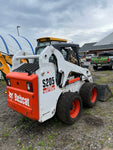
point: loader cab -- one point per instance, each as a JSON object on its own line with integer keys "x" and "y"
{"x": 46, "y": 41}
{"x": 69, "y": 52}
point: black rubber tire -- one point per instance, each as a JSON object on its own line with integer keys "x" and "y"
{"x": 87, "y": 90}
{"x": 64, "y": 107}
{"x": 95, "y": 67}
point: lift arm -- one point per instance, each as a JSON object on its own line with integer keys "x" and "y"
{"x": 64, "y": 67}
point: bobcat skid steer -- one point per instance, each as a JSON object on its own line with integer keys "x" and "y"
{"x": 53, "y": 82}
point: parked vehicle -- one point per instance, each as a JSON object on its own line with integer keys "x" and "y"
{"x": 105, "y": 59}
{"x": 89, "y": 56}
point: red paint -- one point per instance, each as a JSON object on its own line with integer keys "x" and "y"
{"x": 74, "y": 80}
{"x": 108, "y": 59}
{"x": 21, "y": 100}
{"x": 48, "y": 89}
{"x": 76, "y": 109}
{"x": 93, "y": 95}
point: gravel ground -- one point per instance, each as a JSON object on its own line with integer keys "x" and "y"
{"x": 93, "y": 130}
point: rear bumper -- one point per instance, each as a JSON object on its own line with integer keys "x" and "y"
{"x": 102, "y": 65}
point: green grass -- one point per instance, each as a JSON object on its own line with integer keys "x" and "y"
{"x": 2, "y": 82}
{"x": 76, "y": 145}
{"x": 19, "y": 142}
{"x": 27, "y": 148}
{"x": 31, "y": 136}
{"x": 87, "y": 111}
{"x": 41, "y": 143}
{"x": 102, "y": 79}
{"x": 102, "y": 142}
{"x": 6, "y": 135}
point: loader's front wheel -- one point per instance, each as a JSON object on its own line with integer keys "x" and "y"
{"x": 88, "y": 93}
{"x": 69, "y": 107}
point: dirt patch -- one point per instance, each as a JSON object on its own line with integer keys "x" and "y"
{"x": 93, "y": 130}
{"x": 94, "y": 121}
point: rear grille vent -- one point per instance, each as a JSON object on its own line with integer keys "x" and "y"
{"x": 27, "y": 67}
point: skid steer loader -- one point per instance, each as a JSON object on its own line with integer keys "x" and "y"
{"x": 52, "y": 82}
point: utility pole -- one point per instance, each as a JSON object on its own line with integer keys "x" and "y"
{"x": 18, "y": 30}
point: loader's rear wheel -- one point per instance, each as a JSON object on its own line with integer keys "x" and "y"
{"x": 69, "y": 107}
{"x": 88, "y": 93}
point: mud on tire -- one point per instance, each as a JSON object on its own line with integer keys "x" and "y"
{"x": 88, "y": 93}
{"x": 69, "y": 107}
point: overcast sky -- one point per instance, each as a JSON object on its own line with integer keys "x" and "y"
{"x": 79, "y": 21}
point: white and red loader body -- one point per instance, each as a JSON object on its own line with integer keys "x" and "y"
{"x": 33, "y": 89}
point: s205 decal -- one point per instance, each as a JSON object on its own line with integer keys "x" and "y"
{"x": 48, "y": 84}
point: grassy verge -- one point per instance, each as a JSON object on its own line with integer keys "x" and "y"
{"x": 2, "y": 82}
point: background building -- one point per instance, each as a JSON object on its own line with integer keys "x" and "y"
{"x": 106, "y": 44}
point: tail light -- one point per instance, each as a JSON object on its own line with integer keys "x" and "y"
{"x": 29, "y": 87}
{"x": 8, "y": 82}
{"x": 108, "y": 59}
{"x": 90, "y": 60}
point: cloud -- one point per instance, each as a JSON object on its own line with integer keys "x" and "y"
{"x": 80, "y": 22}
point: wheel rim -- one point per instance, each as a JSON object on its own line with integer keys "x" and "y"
{"x": 75, "y": 109}
{"x": 93, "y": 95}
